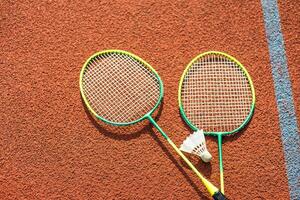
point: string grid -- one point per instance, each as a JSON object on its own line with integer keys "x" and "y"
{"x": 216, "y": 94}
{"x": 119, "y": 87}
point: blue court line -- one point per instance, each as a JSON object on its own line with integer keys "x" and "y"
{"x": 284, "y": 97}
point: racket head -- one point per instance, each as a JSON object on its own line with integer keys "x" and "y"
{"x": 199, "y": 123}
{"x": 94, "y": 74}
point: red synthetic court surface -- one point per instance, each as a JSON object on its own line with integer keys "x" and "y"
{"x": 50, "y": 148}
{"x": 290, "y": 21}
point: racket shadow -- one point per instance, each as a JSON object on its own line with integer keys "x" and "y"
{"x": 235, "y": 136}
{"x": 176, "y": 163}
{"x": 150, "y": 129}
{"x": 141, "y": 128}
{"x": 119, "y": 132}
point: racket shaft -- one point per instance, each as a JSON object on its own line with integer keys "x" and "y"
{"x": 210, "y": 187}
{"x": 221, "y": 163}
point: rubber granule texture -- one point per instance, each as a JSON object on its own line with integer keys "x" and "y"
{"x": 51, "y": 148}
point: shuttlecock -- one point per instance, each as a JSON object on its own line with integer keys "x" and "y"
{"x": 195, "y": 144}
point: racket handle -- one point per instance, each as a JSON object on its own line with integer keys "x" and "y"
{"x": 219, "y": 196}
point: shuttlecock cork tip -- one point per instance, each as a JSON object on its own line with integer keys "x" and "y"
{"x": 206, "y": 156}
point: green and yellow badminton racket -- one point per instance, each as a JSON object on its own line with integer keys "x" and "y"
{"x": 121, "y": 89}
{"x": 216, "y": 94}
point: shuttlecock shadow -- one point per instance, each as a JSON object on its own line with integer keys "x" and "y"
{"x": 203, "y": 167}
{"x": 207, "y": 166}
{"x": 176, "y": 163}
{"x": 140, "y": 128}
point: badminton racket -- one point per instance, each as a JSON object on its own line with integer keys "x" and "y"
{"x": 216, "y": 94}
{"x": 121, "y": 89}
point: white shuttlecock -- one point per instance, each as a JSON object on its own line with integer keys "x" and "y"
{"x": 195, "y": 144}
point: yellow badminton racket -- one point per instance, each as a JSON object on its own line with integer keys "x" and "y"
{"x": 121, "y": 89}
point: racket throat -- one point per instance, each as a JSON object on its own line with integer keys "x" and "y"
{"x": 157, "y": 127}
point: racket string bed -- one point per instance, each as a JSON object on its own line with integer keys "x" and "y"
{"x": 224, "y": 100}
{"x": 120, "y": 89}
{"x": 120, "y": 94}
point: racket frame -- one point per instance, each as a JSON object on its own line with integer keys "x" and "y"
{"x": 194, "y": 128}
{"x": 146, "y": 116}
{"x": 213, "y": 191}
{"x": 218, "y": 134}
